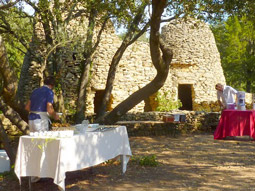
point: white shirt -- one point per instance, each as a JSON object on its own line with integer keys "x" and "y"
{"x": 227, "y": 95}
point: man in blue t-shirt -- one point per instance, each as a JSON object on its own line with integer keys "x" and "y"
{"x": 40, "y": 106}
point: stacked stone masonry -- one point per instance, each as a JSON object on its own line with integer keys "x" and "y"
{"x": 196, "y": 64}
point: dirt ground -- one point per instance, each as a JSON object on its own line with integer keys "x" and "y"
{"x": 187, "y": 162}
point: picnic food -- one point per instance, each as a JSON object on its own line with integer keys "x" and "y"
{"x": 61, "y": 125}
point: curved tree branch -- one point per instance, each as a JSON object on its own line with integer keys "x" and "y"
{"x": 10, "y": 79}
{"x": 8, "y": 5}
{"x": 116, "y": 59}
{"x": 14, "y": 117}
{"x": 161, "y": 63}
{"x": 10, "y": 86}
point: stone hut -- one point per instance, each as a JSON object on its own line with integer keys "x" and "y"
{"x": 194, "y": 71}
{"x": 196, "y": 65}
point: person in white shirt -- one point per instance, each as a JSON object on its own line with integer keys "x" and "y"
{"x": 225, "y": 95}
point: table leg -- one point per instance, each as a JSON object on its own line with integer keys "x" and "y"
{"x": 124, "y": 160}
{"x": 29, "y": 183}
{"x": 122, "y": 163}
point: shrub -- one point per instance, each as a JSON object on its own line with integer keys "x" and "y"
{"x": 166, "y": 103}
{"x": 150, "y": 160}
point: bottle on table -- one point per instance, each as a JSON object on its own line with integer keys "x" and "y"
{"x": 241, "y": 100}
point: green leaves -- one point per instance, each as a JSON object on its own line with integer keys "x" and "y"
{"x": 16, "y": 30}
{"x": 235, "y": 39}
{"x": 147, "y": 160}
{"x": 166, "y": 102}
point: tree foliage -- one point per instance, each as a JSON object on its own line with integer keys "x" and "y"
{"x": 235, "y": 40}
{"x": 16, "y": 30}
{"x": 135, "y": 16}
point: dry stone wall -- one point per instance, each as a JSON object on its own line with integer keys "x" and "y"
{"x": 196, "y": 59}
{"x": 134, "y": 71}
{"x": 196, "y": 62}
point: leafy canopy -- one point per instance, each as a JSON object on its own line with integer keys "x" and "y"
{"x": 235, "y": 39}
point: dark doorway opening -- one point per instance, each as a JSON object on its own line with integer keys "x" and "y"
{"x": 98, "y": 101}
{"x": 185, "y": 96}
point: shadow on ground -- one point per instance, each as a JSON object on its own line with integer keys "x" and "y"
{"x": 191, "y": 162}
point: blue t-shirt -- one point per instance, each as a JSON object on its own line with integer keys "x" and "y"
{"x": 39, "y": 99}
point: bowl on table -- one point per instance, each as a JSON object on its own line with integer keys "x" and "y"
{"x": 81, "y": 128}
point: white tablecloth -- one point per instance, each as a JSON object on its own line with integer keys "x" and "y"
{"x": 53, "y": 157}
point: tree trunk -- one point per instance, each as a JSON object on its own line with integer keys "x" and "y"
{"x": 161, "y": 63}
{"x": 9, "y": 91}
{"x": 88, "y": 52}
{"x": 115, "y": 62}
{"x": 80, "y": 110}
{"x": 9, "y": 78}
{"x": 6, "y": 143}
{"x": 110, "y": 79}
{"x": 248, "y": 86}
{"x": 135, "y": 98}
{"x": 20, "y": 96}
{"x": 14, "y": 117}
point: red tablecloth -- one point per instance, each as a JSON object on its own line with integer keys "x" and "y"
{"x": 235, "y": 123}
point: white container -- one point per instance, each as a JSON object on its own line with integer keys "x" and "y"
{"x": 241, "y": 94}
{"x": 242, "y": 108}
{"x": 4, "y": 162}
{"x": 81, "y": 128}
{"x": 85, "y": 122}
{"x": 241, "y": 98}
{"x": 176, "y": 117}
{"x": 241, "y": 101}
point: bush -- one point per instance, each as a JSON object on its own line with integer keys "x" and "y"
{"x": 150, "y": 160}
{"x": 165, "y": 102}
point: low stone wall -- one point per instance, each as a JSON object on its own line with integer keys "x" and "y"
{"x": 152, "y": 128}
{"x": 151, "y": 123}
{"x": 195, "y": 121}
{"x": 157, "y": 116}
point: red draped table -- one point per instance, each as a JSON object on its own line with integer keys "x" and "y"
{"x": 236, "y": 123}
